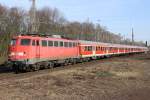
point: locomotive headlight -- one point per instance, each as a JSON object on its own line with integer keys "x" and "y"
{"x": 20, "y": 54}
{"x": 17, "y": 54}
{"x": 12, "y": 54}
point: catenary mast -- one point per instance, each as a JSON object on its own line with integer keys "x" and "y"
{"x": 132, "y": 36}
{"x": 33, "y": 17}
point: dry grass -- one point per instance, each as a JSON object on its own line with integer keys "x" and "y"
{"x": 115, "y": 79}
{"x": 2, "y": 60}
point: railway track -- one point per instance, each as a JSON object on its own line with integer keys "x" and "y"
{"x": 9, "y": 76}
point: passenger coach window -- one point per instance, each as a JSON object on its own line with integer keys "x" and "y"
{"x": 25, "y": 42}
{"x": 97, "y": 48}
{"x": 50, "y": 43}
{"x": 86, "y": 48}
{"x": 90, "y": 48}
{"x": 44, "y": 43}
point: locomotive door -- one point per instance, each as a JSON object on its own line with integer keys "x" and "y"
{"x": 94, "y": 50}
{"x": 37, "y": 49}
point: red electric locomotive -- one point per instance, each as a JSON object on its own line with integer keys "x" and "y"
{"x": 31, "y": 52}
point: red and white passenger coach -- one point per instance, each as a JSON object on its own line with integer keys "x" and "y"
{"x": 32, "y": 52}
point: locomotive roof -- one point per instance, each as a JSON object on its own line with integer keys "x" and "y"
{"x": 32, "y": 36}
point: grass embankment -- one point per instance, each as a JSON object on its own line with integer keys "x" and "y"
{"x": 2, "y": 60}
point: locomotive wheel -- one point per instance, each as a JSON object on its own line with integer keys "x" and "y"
{"x": 66, "y": 63}
{"x": 74, "y": 61}
{"x": 28, "y": 68}
{"x": 51, "y": 65}
{"x": 85, "y": 59}
{"x": 35, "y": 67}
{"x": 81, "y": 60}
{"x": 16, "y": 69}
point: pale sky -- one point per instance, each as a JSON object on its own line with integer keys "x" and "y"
{"x": 119, "y": 16}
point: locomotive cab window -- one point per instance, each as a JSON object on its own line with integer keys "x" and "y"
{"x": 25, "y": 42}
{"x": 13, "y": 42}
{"x": 44, "y": 43}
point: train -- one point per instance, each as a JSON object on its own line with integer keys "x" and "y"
{"x": 32, "y": 52}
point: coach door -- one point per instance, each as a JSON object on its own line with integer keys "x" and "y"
{"x": 37, "y": 49}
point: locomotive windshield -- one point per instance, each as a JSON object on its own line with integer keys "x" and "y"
{"x": 25, "y": 42}
{"x": 13, "y": 42}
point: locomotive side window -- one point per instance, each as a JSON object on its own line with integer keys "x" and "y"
{"x": 61, "y": 44}
{"x": 25, "y": 42}
{"x": 65, "y": 44}
{"x": 44, "y": 43}
{"x": 74, "y": 44}
{"x": 33, "y": 42}
{"x": 56, "y": 43}
{"x": 13, "y": 42}
{"x": 50, "y": 43}
{"x": 70, "y": 44}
